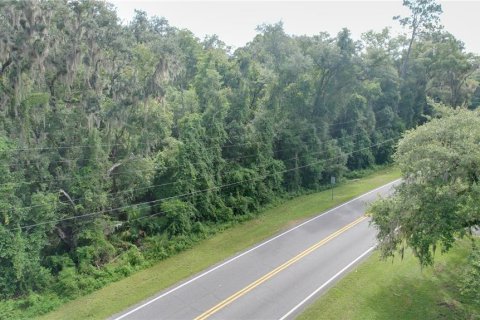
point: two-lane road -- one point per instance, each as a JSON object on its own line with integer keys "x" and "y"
{"x": 276, "y": 278}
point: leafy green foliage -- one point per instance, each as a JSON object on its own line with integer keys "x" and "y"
{"x": 124, "y": 143}
{"x": 471, "y": 277}
{"x": 439, "y": 199}
{"x": 179, "y": 217}
{"x": 371, "y": 292}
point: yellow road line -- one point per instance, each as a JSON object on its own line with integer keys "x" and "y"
{"x": 272, "y": 273}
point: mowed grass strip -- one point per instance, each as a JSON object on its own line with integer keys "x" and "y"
{"x": 118, "y": 296}
{"x": 400, "y": 290}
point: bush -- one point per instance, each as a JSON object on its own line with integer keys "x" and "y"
{"x": 67, "y": 283}
{"x": 36, "y": 304}
{"x": 8, "y": 309}
{"x": 179, "y": 216}
{"x": 87, "y": 284}
{"x": 470, "y": 286}
{"x": 58, "y": 263}
{"x": 155, "y": 248}
{"x": 94, "y": 249}
{"x": 134, "y": 257}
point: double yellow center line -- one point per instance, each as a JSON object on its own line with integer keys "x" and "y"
{"x": 272, "y": 273}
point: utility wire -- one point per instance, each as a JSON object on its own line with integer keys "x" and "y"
{"x": 144, "y": 188}
{"x": 171, "y": 183}
{"x": 168, "y": 167}
{"x": 194, "y": 192}
{"x": 138, "y": 143}
{"x": 139, "y": 157}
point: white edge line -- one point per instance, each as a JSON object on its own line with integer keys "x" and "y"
{"x": 326, "y": 283}
{"x": 246, "y": 252}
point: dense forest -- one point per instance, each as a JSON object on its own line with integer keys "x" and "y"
{"x": 121, "y": 144}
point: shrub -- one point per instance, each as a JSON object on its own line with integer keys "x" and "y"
{"x": 134, "y": 257}
{"x": 179, "y": 216}
{"x": 67, "y": 283}
{"x": 470, "y": 286}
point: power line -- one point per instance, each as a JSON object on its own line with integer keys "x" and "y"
{"x": 138, "y": 143}
{"x": 142, "y": 188}
{"x": 352, "y": 121}
{"x": 150, "y": 187}
{"x": 139, "y": 157}
{"x": 194, "y": 192}
{"x": 174, "y": 182}
{"x": 168, "y": 167}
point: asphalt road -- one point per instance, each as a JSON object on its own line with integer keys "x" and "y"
{"x": 277, "y": 278}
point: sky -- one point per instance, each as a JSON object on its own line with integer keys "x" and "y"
{"x": 235, "y": 21}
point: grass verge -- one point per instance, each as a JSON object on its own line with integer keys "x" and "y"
{"x": 119, "y": 295}
{"x": 399, "y": 290}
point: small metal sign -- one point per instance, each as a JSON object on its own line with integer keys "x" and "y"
{"x": 332, "y": 182}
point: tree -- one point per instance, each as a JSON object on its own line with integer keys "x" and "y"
{"x": 116, "y": 138}
{"x": 449, "y": 69}
{"x": 21, "y": 269}
{"x": 425, "y": 16}
{"x": 439, "y": 199}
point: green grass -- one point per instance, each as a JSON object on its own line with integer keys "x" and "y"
{"x": 399, "y": 290}
{"x": 117, "y": 296}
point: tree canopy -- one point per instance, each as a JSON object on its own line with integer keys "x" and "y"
{"x": 440, "y": 197}
{"x": 124, "y": 143}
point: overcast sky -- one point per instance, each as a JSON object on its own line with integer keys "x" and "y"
{"x": 235, "y": 21}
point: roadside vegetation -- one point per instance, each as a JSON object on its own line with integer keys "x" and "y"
{"x": 124, "y": 144}
{"x": 401, "y": 289}
{"x": 439, "y": 203}
{"x": 427, "y": 227}
{"x": 238, "y": 237}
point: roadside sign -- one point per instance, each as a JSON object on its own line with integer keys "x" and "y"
{"x": 332, "y": 182}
